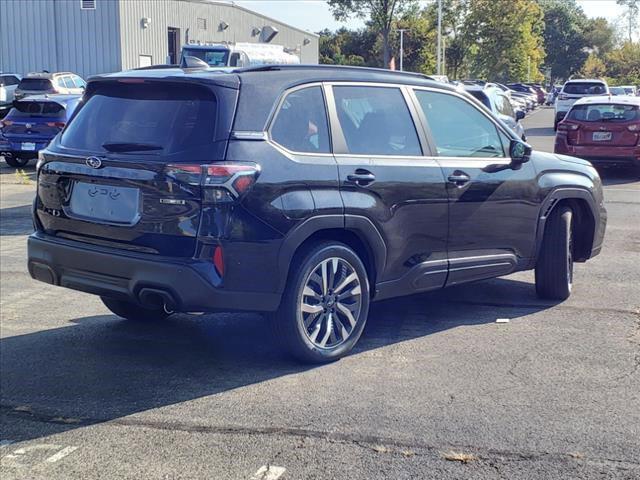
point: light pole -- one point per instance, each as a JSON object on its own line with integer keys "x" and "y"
{"x": 402, "y": 30}
{"x": 439, "y": 37}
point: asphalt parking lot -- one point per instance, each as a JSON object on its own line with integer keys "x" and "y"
{"x": 436, "y": 388}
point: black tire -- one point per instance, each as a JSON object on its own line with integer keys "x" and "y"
{"x": 134, "y": 312}
{"x": 289, "y": 326}
{"x": 554, "y": 269}
{"x": 16, "y": 162}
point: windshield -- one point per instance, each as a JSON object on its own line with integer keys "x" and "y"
{"x": 143, "y": 117}
{"x": 214, "y": 57}
{"x": 604, "y": 113}
{"x": 585, "y": 88}
{"x": 34, "y": 84}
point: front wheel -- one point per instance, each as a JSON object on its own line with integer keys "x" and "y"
{"x": 16, "y": 162}
{"x": 325, "y": 305}
{"x": 132, "y": 311}
{"x": 554, "y": 269}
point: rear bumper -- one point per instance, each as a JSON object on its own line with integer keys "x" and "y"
{"x": 184, "y": 285}
{"x": 16, "y": 146}
{"x": 601, "y": 156}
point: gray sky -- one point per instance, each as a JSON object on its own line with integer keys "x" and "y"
{"x": 314, "y": 15}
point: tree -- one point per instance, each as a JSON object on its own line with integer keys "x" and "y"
{"x": 623, "y": 64}
{"x": 632, "y": 14}
{"x": 380, "y": 15}
{"x": 599, "y": 35}
{"x": 564, "y": 37}
{"x": 508, "y": 39}
{"x": 593, "y": 67}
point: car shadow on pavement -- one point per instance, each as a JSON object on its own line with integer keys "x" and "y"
{"x": 618, "y": 176}
{"x": 102, "y": 368}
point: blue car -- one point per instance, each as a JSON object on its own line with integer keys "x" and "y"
{"x": 31, "y": 124}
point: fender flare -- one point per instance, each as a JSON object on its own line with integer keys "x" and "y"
{"x": 359, "y": 225}
{"x": 552, "y": 199}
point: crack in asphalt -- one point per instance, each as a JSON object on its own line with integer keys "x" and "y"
{"x": 360, "y": 440}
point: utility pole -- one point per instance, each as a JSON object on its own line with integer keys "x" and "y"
{"x": 439, "y": 37}
{"x": 444, "y": 55}
{"x": 528, "y": 69}
{"x": 402, "y": 30}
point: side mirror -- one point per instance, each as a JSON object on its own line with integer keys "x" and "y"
{"x": 519, "y": 152}
{"x": 519, "y": 115}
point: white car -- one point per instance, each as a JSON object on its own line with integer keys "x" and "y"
{"x": 8, "y": 84}
{"x": 574, "y": 90}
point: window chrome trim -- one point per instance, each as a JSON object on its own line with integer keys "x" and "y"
{"x": 274, "y": 116}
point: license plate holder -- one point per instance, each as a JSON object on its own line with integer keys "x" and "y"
{"x": 601, "y": 136}
{"x": 105, "y": 203}
{"x": 28, "y": 147}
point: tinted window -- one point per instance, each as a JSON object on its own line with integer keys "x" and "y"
{"x": 376, "y": 121}
{"x": 35, "y": 84}
{"x": 458, "y": 128}
{"x": 158, "y": 118}
{"x": 68, "y": 82}
{"x": 37, "y": 109}
{"x": 604, "y": 113}
{"x": 503, "y": 105}
{"x": 8, "y": 80}
{"x": 215, "y": 58}
{"x": 78, "y": 82}
{"x": 585, "y": 88}
{"x": 482, "y": 98}
{"x": 301, "y": 124}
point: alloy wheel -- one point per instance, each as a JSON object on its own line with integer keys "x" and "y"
{"x": 331, "y": 303}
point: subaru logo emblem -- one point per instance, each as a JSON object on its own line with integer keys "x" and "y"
{"x": 93, "y": 162}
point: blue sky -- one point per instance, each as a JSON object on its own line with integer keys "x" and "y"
{"x": 314, "y": 15}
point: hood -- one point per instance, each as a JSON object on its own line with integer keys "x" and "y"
{"x": 567, "y": 158}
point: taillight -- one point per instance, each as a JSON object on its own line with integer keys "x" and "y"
{"x": 56, "y": 124}
{"x": 218, "y": 260}
{"x": 5, "y": 123}
{"x": 634, "y": 128}
{"x": 221, "y": 183}
{"x": 568, "y": 126}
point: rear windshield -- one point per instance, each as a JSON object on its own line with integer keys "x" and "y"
{"x": 585, "y": 88}
{"x": 160, "y": 119}
{"x": 35, "y": 84}
{"x": 604, "y": 113}
{"x": 37, "y": 109}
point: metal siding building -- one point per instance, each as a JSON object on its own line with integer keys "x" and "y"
{"x": 59, "y": 35}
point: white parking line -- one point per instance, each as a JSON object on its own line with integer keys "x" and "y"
{"x": 61, "y": 454}
{"x": 269, "y": 472}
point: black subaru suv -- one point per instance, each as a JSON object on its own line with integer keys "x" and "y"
{"x": 303, "y": 191}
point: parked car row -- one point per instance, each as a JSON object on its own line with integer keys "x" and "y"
{"x": 39, "y": 106}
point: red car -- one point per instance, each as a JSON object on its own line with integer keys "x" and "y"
{"x": 603, "y": 130}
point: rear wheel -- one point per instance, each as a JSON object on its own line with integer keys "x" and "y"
{"x": 325, "y": 305}
{"x": 16, "y": 162}
{"x": 554, "y": 269}
{"x": 132, "y": 311}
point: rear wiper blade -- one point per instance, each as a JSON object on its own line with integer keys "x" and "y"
{"x": 130, "y": 147}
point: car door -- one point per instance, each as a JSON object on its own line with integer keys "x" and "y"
{"x": 493, "y": 206}
{"x": 388, "y": 177}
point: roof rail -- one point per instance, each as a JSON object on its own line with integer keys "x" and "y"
{"x": 270, "y": 68}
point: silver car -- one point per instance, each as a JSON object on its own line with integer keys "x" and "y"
{"x": 8, "y": 84}
{"x": 492, "y": 97}
{"x": 65, "y": 83}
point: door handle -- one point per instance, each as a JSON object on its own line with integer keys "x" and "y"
{"x": 459, "y": 179}
{"x": 361, "y": 177}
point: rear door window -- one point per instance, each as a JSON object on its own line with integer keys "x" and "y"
{"x": 68, "y": 82}
{"x": 78, "y": 82}
{"x": 376, "y": 121}
{"x": 163, "y": 119}
{"x": 301, "y": 123}
{"x": 585, "y": 88}
{"x": 35, "y": 84}
{"x": 459, "y": 129}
